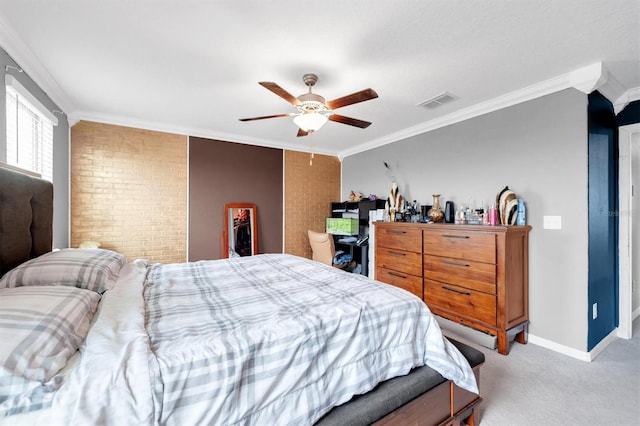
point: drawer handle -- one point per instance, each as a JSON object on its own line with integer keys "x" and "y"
{"x": 398, "y": 275}
{"x": 397, "y": 253}
{"x": 449, "y": 262}
{"x": 466, "y": 293}
{"x": 395, "y": 231}
{"x": 455, "y": 236}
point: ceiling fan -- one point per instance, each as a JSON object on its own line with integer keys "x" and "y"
{"x": 313, "y": 110}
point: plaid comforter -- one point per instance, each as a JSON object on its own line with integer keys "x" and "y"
{"x": 276, "y": 339}
{"x": 262, "y": 340}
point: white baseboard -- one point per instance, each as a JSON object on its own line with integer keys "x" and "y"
{"x": 575, "y": 353}
{"x": 454, "y": 330}
{"x": 556, "y": 347}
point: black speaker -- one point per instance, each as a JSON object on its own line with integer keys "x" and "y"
{"x": 449, "y": 212}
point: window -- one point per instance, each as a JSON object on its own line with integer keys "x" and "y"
{"x": 29, "y": 131}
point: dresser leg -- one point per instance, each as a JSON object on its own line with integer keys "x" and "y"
{"x": 505, "y": 337}
{"x": 503, "y": 343}
{"x": 521, "y": 337}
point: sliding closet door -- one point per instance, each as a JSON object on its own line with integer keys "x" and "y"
{"x": 225, "y": 172}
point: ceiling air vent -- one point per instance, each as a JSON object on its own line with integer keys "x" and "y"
{"x": 437, "y": 100}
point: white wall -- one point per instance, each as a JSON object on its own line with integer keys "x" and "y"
{"x": 538, "y": 149}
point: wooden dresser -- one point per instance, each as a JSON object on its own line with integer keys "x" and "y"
{"x": 470, "y": 274}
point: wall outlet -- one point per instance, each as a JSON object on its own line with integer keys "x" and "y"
{"x": 595, "y": 310}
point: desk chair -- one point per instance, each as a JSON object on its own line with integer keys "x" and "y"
{"x": 324, "y": 250}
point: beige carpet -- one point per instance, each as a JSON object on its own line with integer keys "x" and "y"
{"x": 536, "y": 386}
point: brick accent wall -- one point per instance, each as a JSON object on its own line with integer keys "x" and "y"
{"x": 129, "y": 191}
{"x": 309, "y": 191}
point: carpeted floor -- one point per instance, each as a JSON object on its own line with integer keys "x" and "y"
{"x": 536, "y": 386}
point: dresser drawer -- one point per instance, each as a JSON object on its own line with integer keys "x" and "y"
{"x": 400, "y": 238}
{"x": 411, "y": 283}
{"x": 460, "y": 300}
{"x": 459, "y": 244}
{"x": 466, "y": 273}
{"x": 399, "y": 260}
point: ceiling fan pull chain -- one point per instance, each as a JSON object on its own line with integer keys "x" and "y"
{"x": 313, "y": 148}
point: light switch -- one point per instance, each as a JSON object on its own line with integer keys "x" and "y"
{"x": 552, "y": 222}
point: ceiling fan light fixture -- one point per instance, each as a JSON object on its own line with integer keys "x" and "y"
{"x": 313, "y": 109}
{"x": 310, "y": 121}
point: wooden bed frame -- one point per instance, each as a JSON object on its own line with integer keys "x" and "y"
{"x": 423, "y": 397}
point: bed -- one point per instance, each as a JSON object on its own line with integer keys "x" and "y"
{"x": 267, "y": 339}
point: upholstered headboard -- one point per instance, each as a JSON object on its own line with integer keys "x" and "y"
{"x": 26, "y": 218}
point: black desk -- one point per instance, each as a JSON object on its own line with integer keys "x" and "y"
{"x": 359, "y": 253}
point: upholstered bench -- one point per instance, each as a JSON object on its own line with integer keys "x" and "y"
{"x": 431, "y": 399}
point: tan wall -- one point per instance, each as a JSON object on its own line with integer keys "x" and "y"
{"x": 309, "y": 191}
{"x": 129, "y": 191}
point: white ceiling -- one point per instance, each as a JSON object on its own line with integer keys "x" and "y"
{"x": 192, "y": 67}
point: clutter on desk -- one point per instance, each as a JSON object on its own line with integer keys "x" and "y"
{"x": 342, "y": 257}
{"x": 355, "y": 196}
{"x": 347, "y": 240}
{"x": 342, "y": 226}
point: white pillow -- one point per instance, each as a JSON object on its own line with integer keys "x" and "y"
{"x": 41, "y": 328}
{"x": 91, "y": 269}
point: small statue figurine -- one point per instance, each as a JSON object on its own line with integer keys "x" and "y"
{"x": 355, "y": 196}
{"x": 394, "y": 202}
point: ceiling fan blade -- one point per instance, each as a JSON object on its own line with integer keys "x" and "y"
{"x": 350, "y": 121}
{"x": 354, "y": 98}
{"x": 280, "y": 92}
{"x": 265, "y": 116}
{"x": 302, "y": 133}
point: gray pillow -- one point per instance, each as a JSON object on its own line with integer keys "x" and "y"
{"x": 91, "y": 269}
{"x": 41, "y": 327}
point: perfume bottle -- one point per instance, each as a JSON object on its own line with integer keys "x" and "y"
{"x": 460, "y": 216}
{"x": 493, "y": 215}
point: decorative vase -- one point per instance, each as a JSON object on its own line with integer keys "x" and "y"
{"x": 435, "y": 213}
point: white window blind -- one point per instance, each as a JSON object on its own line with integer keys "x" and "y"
{"x": 29, "y": 131}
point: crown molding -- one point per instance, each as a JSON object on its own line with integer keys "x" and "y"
{"x": 597, "y": 77}
{"x": 195, "y": 132}
{"x": 626, "y": 98}
{"x": 585, "y": 79}
{"x": 582, "y": 78}
{"x": 589, "y": 78}
{"x": 25, "y": 59}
